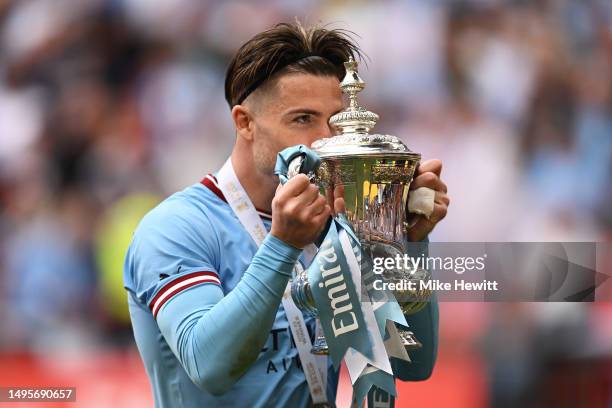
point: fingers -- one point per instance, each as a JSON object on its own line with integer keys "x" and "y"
{"x": 424, "y": 226}
{"x": 322, "y": 217}
{"x": 308, "y": 204}
{"x": 299, "y": 212}
{"x": 428, "y": 179}
{"x": 420, "y": 229}
{"x": 316, "y": 208}
{"x": 442, "y": 198}
{"x": 432, "y": 165}
{"x": 309, "y": 195}
{"x": 298, "y": 191}
{"x": 339, "y": 204}
{"x": 296, "y": 185}
{"x": 335, "y": 199}
{"x": 329, "y": 195}
{"x": 439, "y": 212}
{"x": 428, "y": 175}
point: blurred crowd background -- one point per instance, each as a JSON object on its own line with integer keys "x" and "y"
{"x": 108, "y": 106}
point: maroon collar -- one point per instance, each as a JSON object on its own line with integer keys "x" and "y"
{"x": 211, "y": 182}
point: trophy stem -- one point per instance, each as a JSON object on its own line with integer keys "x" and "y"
{"x": 353, "y": 102}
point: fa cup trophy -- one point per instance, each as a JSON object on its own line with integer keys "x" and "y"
{"x": 374, "y": 172}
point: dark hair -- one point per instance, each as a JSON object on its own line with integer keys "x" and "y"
{"x": 283, "y": 49}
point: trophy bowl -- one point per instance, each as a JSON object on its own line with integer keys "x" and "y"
{"x": 375, "y": 172}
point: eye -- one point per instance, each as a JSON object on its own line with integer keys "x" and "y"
{"x": 303, "y": 119}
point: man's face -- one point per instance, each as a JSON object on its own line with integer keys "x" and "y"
{"x": 296, "y": 110}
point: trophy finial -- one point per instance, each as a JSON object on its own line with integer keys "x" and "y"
{"x": 353, "y": 119}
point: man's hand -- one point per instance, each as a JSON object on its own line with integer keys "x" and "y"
{"x": 299, "y": 212}
{"x": 335, "y": 199}
{"x": 428, "y": 175}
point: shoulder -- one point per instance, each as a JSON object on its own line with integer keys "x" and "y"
{"x": 181, "y": 207}
{"x": 187, "y": 211}
{"x": 186, "y": 221}
{"x": 176, "y": 236}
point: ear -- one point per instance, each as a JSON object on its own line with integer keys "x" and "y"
{"x": 243, "y": 121}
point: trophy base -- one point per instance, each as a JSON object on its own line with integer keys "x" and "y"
{"x": 409, "y": 341}
{"x": 319, "y": 347}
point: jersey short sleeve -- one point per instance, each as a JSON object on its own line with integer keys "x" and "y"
{"x": 173, "y": 249}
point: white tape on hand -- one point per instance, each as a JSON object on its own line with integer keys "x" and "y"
{"x": 421, "y": 201}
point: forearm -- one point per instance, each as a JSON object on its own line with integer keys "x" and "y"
{"x": 218, "y": 342}
{"x": 424, "y": 325}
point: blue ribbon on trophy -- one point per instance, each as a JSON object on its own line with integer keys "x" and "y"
{"x": 358, "y": 322}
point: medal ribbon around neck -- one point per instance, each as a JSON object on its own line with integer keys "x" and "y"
{"x": 315, "y": 367}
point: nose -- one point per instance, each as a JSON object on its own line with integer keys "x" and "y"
{"x": 328, "y": 130}
{"x": 321, "y": 132}
{"x": 333, "y": 130}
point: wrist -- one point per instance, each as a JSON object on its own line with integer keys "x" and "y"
{"x": 285, "y": 249}
{"x": 285, "y": 241}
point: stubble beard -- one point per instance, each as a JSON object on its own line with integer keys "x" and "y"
{"x": 264, "y": 157}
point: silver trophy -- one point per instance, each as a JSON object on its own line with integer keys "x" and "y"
{"x": 374, "y": 171}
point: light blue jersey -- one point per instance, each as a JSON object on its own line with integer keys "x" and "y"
{"x": 202, "y": 296}
{"x": 187, "y": 254}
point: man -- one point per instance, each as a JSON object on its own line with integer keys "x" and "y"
{"x": 205, "y": 301}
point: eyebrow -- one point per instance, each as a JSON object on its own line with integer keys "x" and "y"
{"x": 303, "y": 110}
{"x": 308, "y": 111}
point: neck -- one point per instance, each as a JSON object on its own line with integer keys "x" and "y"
{"x": 260, "y": 188}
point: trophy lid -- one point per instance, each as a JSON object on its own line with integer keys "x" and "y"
{"x": 354, "y": 124}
